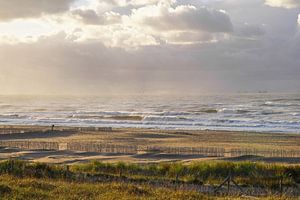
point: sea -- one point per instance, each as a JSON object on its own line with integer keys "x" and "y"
{"x": 260, "y": 112}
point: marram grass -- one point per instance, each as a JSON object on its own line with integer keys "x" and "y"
{"x": 44, "y": 189}
{"x": 23, "y": 180}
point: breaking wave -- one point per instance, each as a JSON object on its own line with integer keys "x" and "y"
{"x": 271, "y": 113}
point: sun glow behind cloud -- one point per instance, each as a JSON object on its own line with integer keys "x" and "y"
{"x": 24, "y": 30}
{"x": 154, "y": 23}
{"x": 284, "y": 3}
{"x": 88, "y": 46}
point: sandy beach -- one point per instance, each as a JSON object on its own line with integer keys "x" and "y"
{"x": 141, "y": 139}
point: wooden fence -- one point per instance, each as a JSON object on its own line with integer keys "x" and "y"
{"x": 134, "y": 149}
{"x": 32, "y": 145}
{"x": 281, "y": 153}
{"x": 17, "y": 130}
{"x": 205, "y": 151}
{"x": 105, "y": 129}
{"x": 101, "y": 148}
{"x": 11, "y": 131}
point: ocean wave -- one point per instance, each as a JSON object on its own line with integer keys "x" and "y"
{"x": 12, "y": 116}
{"x": 287, "y": 99}
{"x": 281, "y": 104}
{"x": 172, "y": 113}
{"x": 114, "y": 117}
{"x": 295, "y": 114}
{"x": 39, "y": 109}
{"x": 165, "y": 118}
{"x": 233, "y": 111}
{"x": 6, "y": 105}
{"x": 208, "y": 110}
{"x": 221, "y": 110}
{"x": 271, "y": 112}
{"x": 126, "y": 117}
{"x": 275, "y": 113}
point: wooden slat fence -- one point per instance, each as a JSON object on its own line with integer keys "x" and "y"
{"x": 56, "y": 128}
{"x": 11, "y": 131}
{"x": 101, "y": 148}
{"x": 105, "y": 129}
{"x": 205, "y": 151}
{"x": 134, "y": 149}
{"x": 281, "y": 153}
{"x": 31, "y": 145}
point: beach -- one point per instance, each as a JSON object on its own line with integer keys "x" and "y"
{"x": 69, "y": 145}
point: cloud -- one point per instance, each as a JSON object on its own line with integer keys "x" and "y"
{"x": 139, "y": 46}
{"x": 180, "y": 24}
{"x": 13, "y": 9}
{"x": 87, "y": 67}
{"x": 148, "y": 25}
{"x": 58, "y": 65}
{"x": 284, "y": 3}
{"x": 188, "y": 37}
{"x": 249, "y": 30}
{"x": 91, "y": 17}
{"x": 163, "y": 17}
{"x": 124, "y": 3}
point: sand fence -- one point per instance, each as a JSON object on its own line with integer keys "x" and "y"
{"x": 280, "y": 153}
{"x": 134, "y": 149}
{"x": 31, "y": 145}
{"x": 101, "y": 148}
{"x": 205, "y": 151}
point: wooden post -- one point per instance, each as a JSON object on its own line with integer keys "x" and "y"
{"x": 228, "y": 184}
{"x": 227, "y": 180}
{"x": 280, "y": 185}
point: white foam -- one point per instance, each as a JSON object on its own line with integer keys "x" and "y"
{"x": 240, "y": 112}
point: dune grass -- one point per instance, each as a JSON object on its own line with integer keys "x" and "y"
{"x": 44, "y": 189}
{"x": 23, "y": 180}
{"x": 245, "y": 173}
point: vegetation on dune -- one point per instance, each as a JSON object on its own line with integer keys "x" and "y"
{"x": 97, "y": 180}
{"x": 44, "y": 189}
{"x": 30, "y": 188}
{"x": 35, "y": 170}
{"x": 213, "y": 172}
{"x": 246, "y": 173}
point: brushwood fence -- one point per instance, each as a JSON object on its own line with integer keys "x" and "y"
{"x": 11, "y": 131}
{"x": 135, "y": 149}
{"x": 8, "y": 130}
{"x": 32, "y": 145}
{"x": 101, "y": 148}
{"x": 205, "y": 151}
{"x": 105, "y": 129}
{"x": 281, "y": 153}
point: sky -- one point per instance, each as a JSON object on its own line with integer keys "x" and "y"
{"x": 149, "y": 46}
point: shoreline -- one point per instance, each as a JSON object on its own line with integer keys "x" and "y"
{"x": 144, "y": 128}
